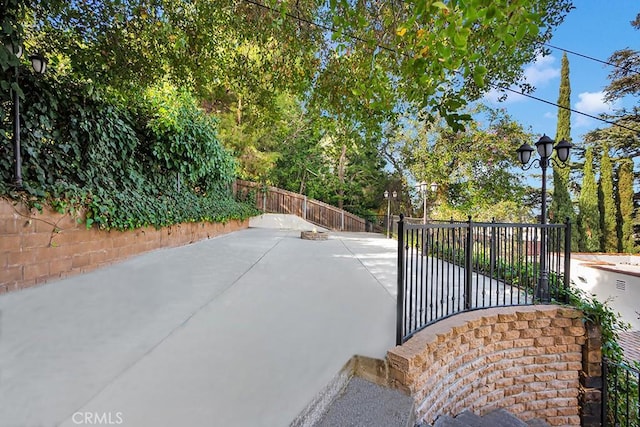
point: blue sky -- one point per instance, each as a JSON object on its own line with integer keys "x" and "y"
{"x": 594, "y": 28}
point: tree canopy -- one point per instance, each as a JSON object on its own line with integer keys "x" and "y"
{"x": 360, "y": 59}
{"x": 334, "y": 79}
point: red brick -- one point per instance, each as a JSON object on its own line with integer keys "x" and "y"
{"x": 11, "y": 274}
{"x": 36, "y": 240}
{"x": 20, "y": 258}
{"x": 10, "y": 243}
{"x": 34, "y": 271}
{"x": 8, "y": 226}
{"x": 6, "y": 207}
{"x": 58, "y": 266}
{"x": 80, "y": 260}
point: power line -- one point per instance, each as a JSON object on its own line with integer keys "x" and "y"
{"x": 566, "y": 108}
{"x": 333, "y": 29}
{"x": 591, "y": 58}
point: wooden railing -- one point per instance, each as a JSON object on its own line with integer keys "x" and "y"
{"x": 275, "y": 200}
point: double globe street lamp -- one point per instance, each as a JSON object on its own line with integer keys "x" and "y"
{"x": 39, "y": 64}
{"x": 386, "y": 196}
{"x": 545, "y": 147}
{"x": 423, "y": 188}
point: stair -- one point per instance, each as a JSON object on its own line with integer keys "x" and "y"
{"x": 497, "y": 418}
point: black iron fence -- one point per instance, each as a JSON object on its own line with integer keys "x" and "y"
{"x": 620, "y": 400}
{"x": 448, "y": 268}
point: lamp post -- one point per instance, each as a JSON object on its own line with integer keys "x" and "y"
{"x": 545, "y": 147}
{"x": 39, "y": 64}
{"x": 423, "y": 189}
{"x": 386, "y": 196}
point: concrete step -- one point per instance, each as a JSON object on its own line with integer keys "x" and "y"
{"x": 497, "y": 418}
{"x": 473, "y": 420}
{"x": 503, "y": 418}
{"x": 365, "y": 404}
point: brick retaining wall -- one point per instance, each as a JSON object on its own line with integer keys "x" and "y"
{"x": 37, "y": 247}
{"x": 524, "y": 359}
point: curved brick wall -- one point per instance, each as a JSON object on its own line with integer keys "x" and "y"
{"x": 524, "y": 359}
{"x": 36, "y": 247}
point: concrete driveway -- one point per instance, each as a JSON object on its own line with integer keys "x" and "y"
{"x": 240, "y": 330}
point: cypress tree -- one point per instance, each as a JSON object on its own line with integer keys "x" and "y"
{"x": 589, "y": 219}
{"x": 608, "y": 205}
{"x": 561, "y": 205}
{"x": 625, "y": 198}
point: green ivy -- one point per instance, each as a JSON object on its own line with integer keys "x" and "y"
{"x": 155, "y": 163}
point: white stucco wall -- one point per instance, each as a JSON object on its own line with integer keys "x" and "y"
{"x": 622, "y": 290}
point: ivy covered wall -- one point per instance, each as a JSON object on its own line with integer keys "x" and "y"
{"x": 154, "y": 160}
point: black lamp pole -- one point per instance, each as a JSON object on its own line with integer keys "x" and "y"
{"x": 17, "y": 171}
{"x": 39, "y": 64}
{"x": 545, "y": 147}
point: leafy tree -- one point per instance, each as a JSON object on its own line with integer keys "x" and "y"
{"x": 440, "y": 55}
{"x": 607, "y": 205}
{"x": 589, "y": 218}
{"x": 624, "y": 82}
{"x": 472, "y": 167}
{"x": 383, "y": 55}
{"x": 625, "y": 198}
{"x": 561, "y": 205}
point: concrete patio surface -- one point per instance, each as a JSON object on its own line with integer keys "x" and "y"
{"x": 240, "y": 330}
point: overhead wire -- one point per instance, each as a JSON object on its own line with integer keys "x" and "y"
{"x": 591, "y": 58}
{"x": 333, "y": 29}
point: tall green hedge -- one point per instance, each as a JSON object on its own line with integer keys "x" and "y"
{"x": 156, "y": 161}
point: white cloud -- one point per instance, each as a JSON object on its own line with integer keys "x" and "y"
{"x": 592, "y": 103}
{"x": 539, "y": 73}
{"x": 542, "y": 71}
{"x": 494, "y": 95}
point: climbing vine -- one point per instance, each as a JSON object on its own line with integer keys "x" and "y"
{"x": 154, "y": 162}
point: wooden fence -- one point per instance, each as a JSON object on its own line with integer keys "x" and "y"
{"x": 275, "y": 200}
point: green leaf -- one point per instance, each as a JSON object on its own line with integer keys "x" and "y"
{"x": 479, "y": 73}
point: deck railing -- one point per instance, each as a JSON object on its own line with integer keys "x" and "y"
{"x": 275, "y": 200}
{"x": 449, "y": 268}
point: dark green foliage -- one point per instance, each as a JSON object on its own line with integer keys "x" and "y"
{"x": 126, "y": 170}
{"x": 608, "y": 205}
{"x": 625, "y": 198}
{"x": 589, "y": 218}
{"x": 561, "y": 204}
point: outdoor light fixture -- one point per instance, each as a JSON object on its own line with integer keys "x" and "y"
{"x": 423, "y": 189}
{"x": 39, "y": 64}
{"x": 545, "y": 147}
{"x": 386, "y": 196}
